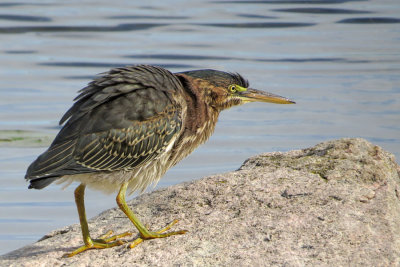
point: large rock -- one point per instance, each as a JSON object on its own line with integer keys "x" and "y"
{"x": 336, "y": 204}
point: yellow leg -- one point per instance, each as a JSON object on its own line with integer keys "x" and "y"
{"x": 104, "y": 241}
{"x": 143, "y": 231}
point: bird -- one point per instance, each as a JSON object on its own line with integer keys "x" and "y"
{"x": 127, "y": 127}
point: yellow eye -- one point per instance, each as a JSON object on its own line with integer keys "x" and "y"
{"x": 232, "y": 88}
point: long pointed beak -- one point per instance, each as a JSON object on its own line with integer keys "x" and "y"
{"x": 253, "y": 95}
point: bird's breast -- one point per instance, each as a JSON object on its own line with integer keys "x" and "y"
{"x": 191, "y": 138}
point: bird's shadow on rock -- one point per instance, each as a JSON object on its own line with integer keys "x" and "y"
{"x": 29, "y": 252}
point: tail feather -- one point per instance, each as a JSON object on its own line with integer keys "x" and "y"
{"x": 49, "y": 165}
{"x": 40, "y": 183}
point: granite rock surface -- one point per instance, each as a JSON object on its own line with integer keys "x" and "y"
{"x": 335, "y": 204}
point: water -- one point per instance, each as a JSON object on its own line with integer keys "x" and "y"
{"x": 339, "y": 60}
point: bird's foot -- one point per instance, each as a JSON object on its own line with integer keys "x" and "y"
{"x": 158, "y": 234}
{"x": 104, "y": 241}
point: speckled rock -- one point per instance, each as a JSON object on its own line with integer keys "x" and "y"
{"x": 336, "y": 204}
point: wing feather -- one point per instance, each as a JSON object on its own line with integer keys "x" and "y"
{"x": 125, "y": 149}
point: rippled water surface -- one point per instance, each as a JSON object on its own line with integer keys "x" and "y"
{"x": 339, "y": 60}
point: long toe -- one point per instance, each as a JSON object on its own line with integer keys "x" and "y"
{"x": 107, "y": 238}
{"x": 157, "y": 234}
{"x": 105, "y": 241}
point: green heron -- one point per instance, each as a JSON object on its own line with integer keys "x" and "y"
{"x": 128, "y": 127}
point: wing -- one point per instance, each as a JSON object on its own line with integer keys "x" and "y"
{"x": 129, "y": 147}
{"x": 119, "y": 122}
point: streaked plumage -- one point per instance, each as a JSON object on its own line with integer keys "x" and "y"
{"x": 130, "y": 125}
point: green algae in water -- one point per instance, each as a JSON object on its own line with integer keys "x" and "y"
{"x": 20, "y": 138}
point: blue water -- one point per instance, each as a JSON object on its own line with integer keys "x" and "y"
{"x": 339, "y": 60}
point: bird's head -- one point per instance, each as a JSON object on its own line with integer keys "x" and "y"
{"x": 223, "y": 90}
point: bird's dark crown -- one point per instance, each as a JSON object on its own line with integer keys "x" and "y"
{"x": 218, "y": 78}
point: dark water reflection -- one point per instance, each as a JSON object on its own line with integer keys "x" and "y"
{"x": 252, "y": 25}
{"x": 134, "y": 17}
{"x": 24, "y": 18}
{"x": 311, "y": 10}
{"x": 255, "y": 16}
{"x": 20, "y": 52}
{"x": 370, "y": 20}
{"x": 12, "y": 4}
{"x": 120, "y": 27}
{"x": 339, "y": 60}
